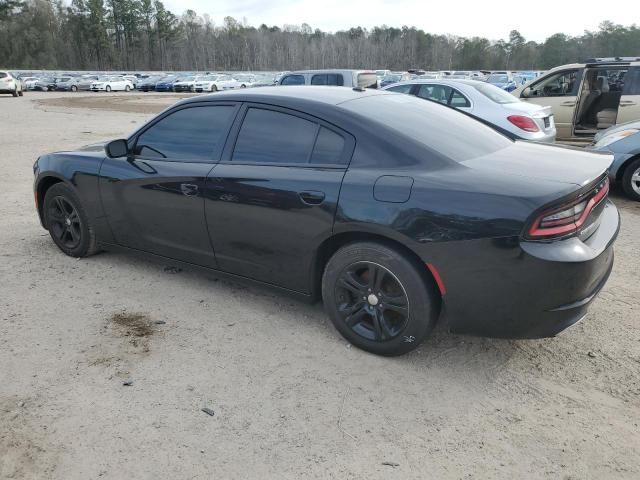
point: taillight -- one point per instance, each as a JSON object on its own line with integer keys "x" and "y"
{"x": 525, "y": 123}
{"x": 568, "y": 218}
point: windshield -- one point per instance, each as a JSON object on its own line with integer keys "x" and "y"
{"x": 439, "y": 128}
{"x": 186, "y": 79}
{"x": 496, "y": 94}
{"x": 104, "y": 79}
{"x": 391, "y": 78}
{"x": 498, "y": 79}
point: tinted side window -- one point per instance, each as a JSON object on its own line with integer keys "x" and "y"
{"x": 401, "y": 89}
{"x": 292, "y": 80}
{"x": 267, "y": 136}
{"x": 458, "y": 100}
{"x": 327, "y": 79}
{"x": 437, "y": 93}
{"x": 329, "y": 147}
{"x": 195, "y": 134}
{"x": 632, "y": 83}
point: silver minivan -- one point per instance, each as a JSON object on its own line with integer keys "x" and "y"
{"x": 338, "y": 78}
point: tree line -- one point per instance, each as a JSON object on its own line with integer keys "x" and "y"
{"x": 145, "y": 35}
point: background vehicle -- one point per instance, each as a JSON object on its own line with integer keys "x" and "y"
{"x": 149, "y": 83}
{"x": 29, "y": 83}
{"x": 340, "y": 78}
{"x": 67, "y": 83}
{"x": 503, "y": 80}
{"x": 623, "y": 141}
{"x": 10, "y": 84}
{"x": 216, "y": 83}
{"x": 111, "y": 83}
{"x": 394, "y": 77}
{"x": 84, "y": 82}
{"x": 166, "y": 84}
{"x": 488, "y": 102}
{"x": 588, "y": 97}
{"x": 408, "y": 207}
{"x": 133, "y": 79}
{"x": 245, "y": 80}
{"x": 185, "y": 84}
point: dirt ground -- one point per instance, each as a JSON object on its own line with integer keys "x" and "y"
{"x": 106, "y": 363}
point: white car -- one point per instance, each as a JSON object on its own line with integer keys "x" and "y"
{"x": 214, "y": 83}
{"x": 488, "y": 103}
{"x": 29, "y": 82}
{"x": 10, "y": 84}
{"x": 111, "y": 84}
{"x": 246, "y": 79}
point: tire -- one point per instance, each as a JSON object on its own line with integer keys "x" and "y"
{"x": 15, "y": 92}
{"x": 74, "y": 88}
{"x": 631, "y": 179}
{"x": 243, "y": 86}
{"x": 21, "y": 93}
{"x": 107, "y": 88}
{"x": 126, "y": 88}
{"x": 67, "y": 222}
{"x": 214, "y": 88}
{"x": 358, "y": 284}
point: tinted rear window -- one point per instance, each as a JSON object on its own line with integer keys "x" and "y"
{"x": 327, "y": 79}
{"x": 367, "y": 80}
{"x": 3, "y": 75}
{"x": 440, "y": 128}
{"x": 268, "y": 136}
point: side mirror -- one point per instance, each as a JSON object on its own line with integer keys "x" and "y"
{"x": 117, "y": 149}
{"x": 526, "y": 93}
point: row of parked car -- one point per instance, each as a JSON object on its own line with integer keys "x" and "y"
{"x": 505, "y": 79}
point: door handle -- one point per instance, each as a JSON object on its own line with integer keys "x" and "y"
{"x": 311, "y": 197}
{"x": 188, "y": 189}
{"x": 627, "y": 103}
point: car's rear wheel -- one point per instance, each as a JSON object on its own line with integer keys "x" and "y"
{"x": 74, "y": 88}
{"x": 107, "y": 88}
{"x": 21, "y": 93}
{"x": 15, "y": 92}
{"x": 67, "y": 222}
{"x": 377, "y": 299}
{"x": 214, "y": 88}
{"x": 631, "y": 180}
{"x": 126, "y": 88}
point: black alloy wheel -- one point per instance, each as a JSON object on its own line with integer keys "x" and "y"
{"x": 371, "y": 301}
{"x": 67, "y": 222}
{"x": 64, "y": 223}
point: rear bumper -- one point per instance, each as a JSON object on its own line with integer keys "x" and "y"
{"x": 508, "y": 288}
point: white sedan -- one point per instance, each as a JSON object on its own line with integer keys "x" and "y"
{"x": 488, "y": 103}
{"x": 111, "y": 84}
{"x": 214, "y": 83}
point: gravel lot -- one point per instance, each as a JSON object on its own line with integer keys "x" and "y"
{"x": 291, "y": 399}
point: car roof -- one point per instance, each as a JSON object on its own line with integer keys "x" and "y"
{"x": 329, "y": 95}
{"x": 444, "y": 81}
{"x": 330, "y": 70}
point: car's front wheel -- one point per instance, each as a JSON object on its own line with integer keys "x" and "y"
{"x": 107, "y": 88}
{"x": 378, "y": 299}
{"x": 214, "y": 88}
{"x": 127, "y": 88}
{"x": 67, "y": 222}
{"x": 631, "y": 180}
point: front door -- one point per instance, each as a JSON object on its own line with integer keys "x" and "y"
{"x": 560, "y": 91}
{"x": 271, "y": 201}
{"x": 154, "y": 199}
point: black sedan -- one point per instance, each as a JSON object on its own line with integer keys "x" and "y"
{"x": 397, "y": 212}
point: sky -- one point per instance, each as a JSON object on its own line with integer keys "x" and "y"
{"x": 536, "y": 20}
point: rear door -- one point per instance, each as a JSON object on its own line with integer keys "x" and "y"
{"x": 629, "y": 109}
{"x": 154, "y": 200}
{"x": 271, "y": 201}
{"x": 560, "y": 91}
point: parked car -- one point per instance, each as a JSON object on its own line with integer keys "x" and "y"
{"x": 67, "y": 83}
{"x": 488, "y": 103}
{"x": 149, "y": 83}
{"x": 45, "y": 84}
{"x": 85, "y": 82}
{"x": 588, "y": 97}
{"x": 10, "y": 84}
{"x": 133, "y": 79}
{"x": 411, "y": 210}
{"x": 166, "y": 84}
{"x": 340, "y": 78}
{"x": 215, "y": 83}
{"x": 245, "y": 80}
{"x": 394, "y": 77}
{"x": 186, "y": 84}
{"x": 623, "y": 141}
{"x": 467, "y": 75}
{"x": 502, "y": 80}
{"x": 29, "y": 83}
{"x": 111, "y": 83}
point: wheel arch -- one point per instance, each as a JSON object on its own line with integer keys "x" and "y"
{"x": 624, "y": 166}
{"x": 332, "y": 244}
{"x": 42, "y": 187}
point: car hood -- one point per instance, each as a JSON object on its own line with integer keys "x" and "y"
{"x": 617, "y": 128}
{"x": 538, "y": 161}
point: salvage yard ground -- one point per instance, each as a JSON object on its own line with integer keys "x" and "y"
{"x": 106, "y": 363}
